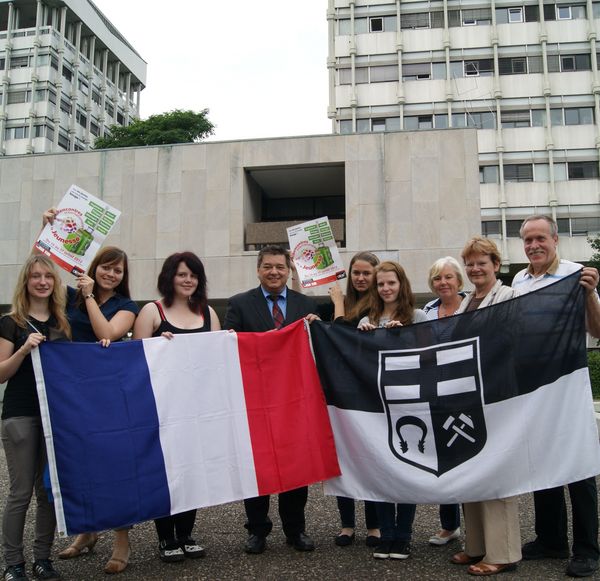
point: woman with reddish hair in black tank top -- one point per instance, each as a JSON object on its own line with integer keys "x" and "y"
{"x": 183, "y": 308}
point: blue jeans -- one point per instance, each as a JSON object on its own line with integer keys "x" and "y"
{"x": 395, "y": 520}
{"x": 450, "y": 516}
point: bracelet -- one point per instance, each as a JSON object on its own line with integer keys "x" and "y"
{"x": 90, "y": 296}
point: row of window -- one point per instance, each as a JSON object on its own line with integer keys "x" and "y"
{"x": 41, "y": 95}
{"x": 468, "y": 68}
{"x": 466, "y": 17}
{"x": 539, "y": 172}
{"x": 479, "y": 120}
{"x": 566, "y": 227}
{"x": 22, "y": 132}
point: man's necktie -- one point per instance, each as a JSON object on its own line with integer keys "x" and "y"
{"x": 277, "y": 314}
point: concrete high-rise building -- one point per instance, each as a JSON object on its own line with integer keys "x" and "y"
{"x": 525, "y": 75}
{"x": 66, "y": 73}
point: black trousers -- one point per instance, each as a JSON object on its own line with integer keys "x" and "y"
{"x": 176, "y": 526}
{"x": 551, "y": 518}
{"x": 291, "y": 512}
{"x": 346, "y": 506}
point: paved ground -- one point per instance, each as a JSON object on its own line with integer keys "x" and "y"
{"x": 220, "y": 530}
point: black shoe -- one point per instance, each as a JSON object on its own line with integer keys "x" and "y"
{"x": 383, "y": 550}
{"x": 372, "y": 541}
{"x": 344, "y": 540}
{"x": 43, "y": 569}
{"x": 535, "y": 550}
{"x": 170, "y": 552}
{"x": 301, "y": 542}
{"x": 15, "y": 573}
{"x": 191, "y": 549}
{"x": 582, "y": 567}
{"x": 400, "y": 550}
{"x": 255, "y": 545}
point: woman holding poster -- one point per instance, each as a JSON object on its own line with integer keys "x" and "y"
{"x": 351, "y": 308}
{"x": 101, "y": 309}
{"x": 37, "y": 315}
{"x": 182, "y": 309}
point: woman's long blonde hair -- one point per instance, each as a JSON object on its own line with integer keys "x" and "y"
{"x": 56, "y": 301}
{"x": 406, "y": 301}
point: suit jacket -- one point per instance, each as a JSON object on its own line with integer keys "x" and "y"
{"x": 249, "y": 311}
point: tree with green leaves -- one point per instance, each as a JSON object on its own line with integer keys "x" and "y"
{"x": 594, "y": 242}
{"x": 172, "y": 127}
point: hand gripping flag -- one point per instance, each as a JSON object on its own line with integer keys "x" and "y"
{"x": 149, "y": 428}
{"x": 488, "y": 404}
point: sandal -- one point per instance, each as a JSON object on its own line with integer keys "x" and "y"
{"x": 483, "y": 569}
{"x": 116, "y": 565}
{"x": 77, "y": 548}
{"x": 463, "y": 559}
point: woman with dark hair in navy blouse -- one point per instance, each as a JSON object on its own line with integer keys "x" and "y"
{"x": 183, "y": 308}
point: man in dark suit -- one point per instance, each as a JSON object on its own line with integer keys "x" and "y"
{"x": 271, "y": 306}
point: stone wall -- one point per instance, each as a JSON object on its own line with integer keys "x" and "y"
{"x": 412, "y": 196}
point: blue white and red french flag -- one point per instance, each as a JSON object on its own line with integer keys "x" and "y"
{"x": 148, "y": 428}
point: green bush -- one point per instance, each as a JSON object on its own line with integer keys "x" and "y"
{"x": 594, "y": 367}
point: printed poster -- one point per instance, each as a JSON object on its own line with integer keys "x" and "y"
{"x": 315, "y": 253}
{"x": 81, "y": 225}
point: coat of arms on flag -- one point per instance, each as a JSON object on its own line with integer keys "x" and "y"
{"x": 433, "y": 402}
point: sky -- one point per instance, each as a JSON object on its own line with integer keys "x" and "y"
{"x": 260, "y": 66}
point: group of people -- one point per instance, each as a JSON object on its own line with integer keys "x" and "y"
{"x": 378, "y": 295}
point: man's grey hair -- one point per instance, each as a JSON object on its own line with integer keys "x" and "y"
{"x": 553, "y": 225}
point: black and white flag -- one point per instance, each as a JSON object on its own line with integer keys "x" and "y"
{"x": 488, "y": 404}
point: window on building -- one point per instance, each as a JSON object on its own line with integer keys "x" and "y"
{"x": 419, "y": 20}
{"x": 578, "y": 62}
{"x": 67, "y": 73}
{"x": 65, "y": 105}
{"x": 515, "y": 14}
{"x": 109, "y": 108}
{"x": 484, "y": 120}
{"x": 479, "y": 68}
{"x": 378, "y": 125}
{"x": 52, "y": 96}
{"x": 538, "y": 118}
{"x": 596, "y": 9}
{"x": 583, "y": 170}
{"x": 440, "y": 121}
{"x": 476, "y": 16}
{"x": 345, "y": 126}
{"x": 120, "y": 118}
{"x": 535, "y": 64}
{"x": 518, "y": 172}
{"x": 560, "y": 172}
{"x": 579, "y": 116}
{"x": 491, "y": 228}
{"x": 63, "y": 141}
{"x": 83, "y": 86}
{"x": 40, "y": 95}
{"x": 2, "y": 63}
{"x": 81, "y": 118}
{"x": 376, "y": 24}
{"x": 532, "y": 13}
{"x": 21, "y": 132}
{"x": 345, "y": 76}
{"x": 510, "y": 119}
{"x": 585, "y": 226}
{"x": 392, "y": 123}
{"x": 361, "y": 25}
{"x": 459, "y": 120}
{"x": 438, "y": 71}
{"x": 344, "y": 26}
{"x": 363, "y": 125}
{"x": 512, "y": 66}
{"x": 488, "y": 174}
{"x": 19, "y": 62}
{"x": 54, "y": 62}
{"x": 384, "y": 73}
{"x": 18, "y": 97}
{"x": 416, "y": 71}
{"x": 541, "y": 172}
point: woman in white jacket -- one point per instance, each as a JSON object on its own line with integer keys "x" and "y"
{"x": 492, "y": 536}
